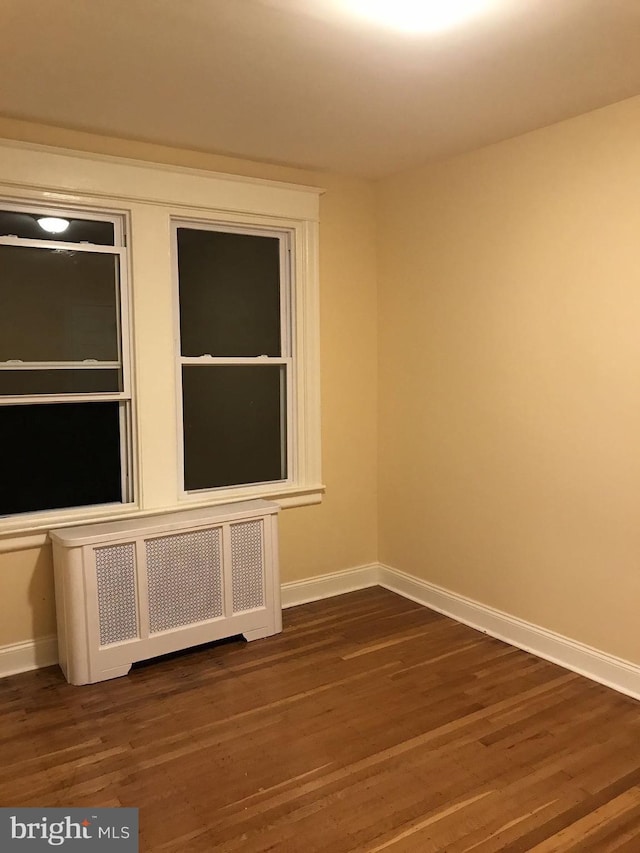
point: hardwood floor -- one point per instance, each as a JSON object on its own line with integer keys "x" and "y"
{"x": 371, "y": 724}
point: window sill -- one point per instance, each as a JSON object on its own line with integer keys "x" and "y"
{"x": 34, "y": 533}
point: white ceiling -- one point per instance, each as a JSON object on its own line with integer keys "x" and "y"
{"x": 278, "y": 80}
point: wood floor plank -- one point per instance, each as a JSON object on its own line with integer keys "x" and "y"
{"x": 370, "y": 724}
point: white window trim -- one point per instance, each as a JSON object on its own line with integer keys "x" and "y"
{"x": 152, "y": 195}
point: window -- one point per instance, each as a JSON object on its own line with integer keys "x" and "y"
{"x": 82, "y": 308}
{"x": 64, "y": 387}
{"x": 235, "y": 355}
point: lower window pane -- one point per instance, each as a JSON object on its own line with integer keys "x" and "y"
{"x": 234, "y": 425}
{"x": 59, "y": 455}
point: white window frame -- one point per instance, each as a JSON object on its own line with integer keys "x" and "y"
{"x": 287, "y": 357}
{"x": 123, "y": 397}
{"x": 150, "y": 196}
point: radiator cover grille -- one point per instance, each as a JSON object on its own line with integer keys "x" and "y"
{"x": 116, "y": 581}
{"x": 247, "y": 565}
{"x": 184, "y": 574}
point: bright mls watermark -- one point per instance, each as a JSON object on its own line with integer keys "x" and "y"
{"x": 102, "y": 830}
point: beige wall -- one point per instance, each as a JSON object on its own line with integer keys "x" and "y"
{"x": 342, "y": 531}
{"x": 509, "y": 355}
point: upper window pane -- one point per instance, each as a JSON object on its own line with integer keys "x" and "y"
{"x": 229, "y": 288}
{"x": 58, "y": 305}
{"x": 19, "y": 224}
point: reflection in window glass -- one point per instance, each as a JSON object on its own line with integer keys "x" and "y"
{"x": 16, "y": 223}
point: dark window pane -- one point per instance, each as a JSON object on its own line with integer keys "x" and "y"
{"x": 59, "y": 455}
{"x": 15, "y": 382}
{"x": 57, "y": 305}
{"x": 25, "y": 225}
{"x": 234, "y": 425}
{"x": 229, "y": 293}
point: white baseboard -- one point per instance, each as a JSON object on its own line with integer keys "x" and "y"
{"x": 619, "y": 674}
{"x": 326, "y": 586}
{"x": 22, "y": 657}
{"x": 32, "y": 654}
{"x": 614, "y": 672}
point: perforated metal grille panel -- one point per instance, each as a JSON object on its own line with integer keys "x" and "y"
{"x": 116, "y": 579}
{"x": 185, "y": 579}
{"x": 247, "y": 565}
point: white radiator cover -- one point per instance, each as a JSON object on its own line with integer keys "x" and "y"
{"x": 132, "y": 590}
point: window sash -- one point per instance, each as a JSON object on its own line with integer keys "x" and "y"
{"x": 287, "y": 291}
{"x": 85, "y": 248}
{"x": 36, "y": 208}
{"x": 284, "y": 456}
{"x": 122, "y": 319}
